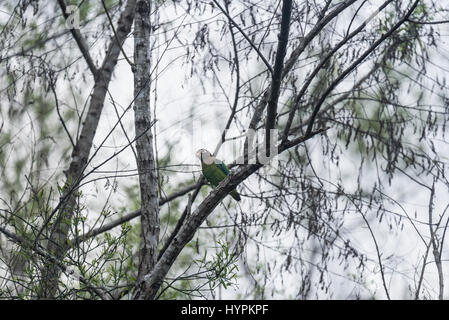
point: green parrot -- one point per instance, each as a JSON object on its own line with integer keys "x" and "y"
{"x": 214, "y": 170}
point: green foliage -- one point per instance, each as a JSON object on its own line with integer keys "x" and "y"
{"x": 223, "y": 267}
{"x": 35, "y": 38}
{"x": 218, "y": 268}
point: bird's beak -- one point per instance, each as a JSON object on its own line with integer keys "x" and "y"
{"x": 198, "y": 154}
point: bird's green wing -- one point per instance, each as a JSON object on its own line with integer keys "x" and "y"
{"x": 222, "y": 166}
{"x": 215, "y": 173}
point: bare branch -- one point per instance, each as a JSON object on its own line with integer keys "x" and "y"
{"x": 80, "y": 41}
{"x": 188, "y": 230}
{"x": 294, "y": 56}
{"x": 345, "y": 73}
{"x": 49, "y": 258}
{"x": 323, "y": 62}
{"x": 148, "y": 181}
{"x": 226, "y": 13}
{"x": 116, "y": 37}
{"x": 278, "y": 67}
{"x": 433, "y": 241}
{"x": 58, "y": 238}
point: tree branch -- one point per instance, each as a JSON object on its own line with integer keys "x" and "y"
{"x": 322, "y": 63}
{"x": 278, "y": 67}
{"x": 355, "y": 64}
{"x": 154, "y": 280}
{"x": 135, "y": 214}
{"x": 148, "y": 181}
{"x": 116, "y": 37}
{"x": 23, "y": 243}
{"x": 265, "y": 61}
{"x": 290, "y": 62}
{"x": 433, "y": 240}
{"x": 57, "y": 243}
{"x": 80, "y": 41}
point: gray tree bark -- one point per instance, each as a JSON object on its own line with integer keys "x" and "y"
{"x": 153, "y": 281}
{"x": 57, "y": 242}
{"x": 148, "y": 180}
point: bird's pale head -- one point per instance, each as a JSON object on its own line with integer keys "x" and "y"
{"x": 205, "y": 156}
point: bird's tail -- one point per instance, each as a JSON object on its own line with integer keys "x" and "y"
{"x": 235, "y": 195}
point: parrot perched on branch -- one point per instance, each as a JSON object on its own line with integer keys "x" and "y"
{"x": 214, "y": 170}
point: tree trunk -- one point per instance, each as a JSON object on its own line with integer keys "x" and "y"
{"x": 144, "y": 146}
{"x": 57, "y": 242}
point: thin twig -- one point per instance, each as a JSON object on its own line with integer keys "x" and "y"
{"x": 265, "y": 61}
{"x": 356, "y": 63}
{"x": 435, "y": 251}
{"x": 277, "y": 74}
{"x": 58, "y": 111}
{"x": 50, "y": 258}
{"x": 133, "y": 67}
{"x": 322, "y": 63}
{"x": 80, "y": 41}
